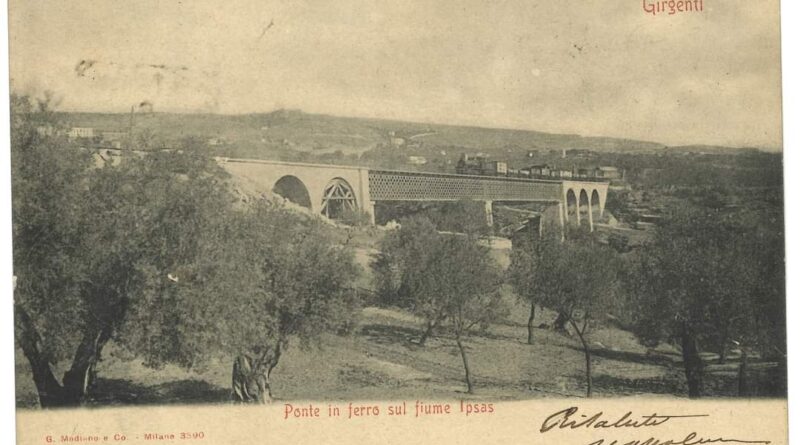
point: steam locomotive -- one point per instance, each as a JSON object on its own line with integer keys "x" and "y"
{"x": 480, "y": 165}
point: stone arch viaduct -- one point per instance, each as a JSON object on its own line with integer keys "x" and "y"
{"x": 331, "y": 190}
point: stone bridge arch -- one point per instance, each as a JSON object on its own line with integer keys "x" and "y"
{"x": 314, "y": 186}
{"x": 571, "y": 206}
{"x": 292, "y": 188}
{"x": 338, "y": 198}
{"x": 594, "y": 201}
{"x": 585, "y": 209}
{"x": 584, "y": 202}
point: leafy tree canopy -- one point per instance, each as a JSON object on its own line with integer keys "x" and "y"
{"x": 153, "y": 251}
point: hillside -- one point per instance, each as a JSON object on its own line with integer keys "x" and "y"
{"x": 256, "y": 134}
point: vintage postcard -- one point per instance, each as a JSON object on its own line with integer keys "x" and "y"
{"x": 472, "y": 222}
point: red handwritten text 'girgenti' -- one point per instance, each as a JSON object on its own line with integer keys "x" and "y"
{"x": 671, "y": 7}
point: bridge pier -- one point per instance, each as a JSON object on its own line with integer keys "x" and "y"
{"x": 369, "y": 207}
{"x": 591, "y": 219}
{"x": 489, "y": 216}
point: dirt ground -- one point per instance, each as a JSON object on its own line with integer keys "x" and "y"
{"x": 382, "y": 361}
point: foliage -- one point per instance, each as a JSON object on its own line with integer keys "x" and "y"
{"x": 469, "y": 282}
{"x": 709, "y": 277}
{"x": 355, "y": 217}
{"x": 529, "y": 259}
{"x": 48, "y": 183}
{"x": 401, "y": 271}
{"x": 439, "y": 278}
{"x": 578, "y": 280}
{"x": 150, "y": 250}
{"x": 282, "y": 277}
{"x": 258, "y": 276}
{"x": 155, "y": 214}
{"x": 93, "y": 240}
{"x": 463, "y": 216}
{"x": 263, "y": 277}
{"x": 619, "y": 203}
{"x": 528, "y": 256}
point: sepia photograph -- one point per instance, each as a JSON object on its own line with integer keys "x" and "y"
{"x": 360, "y": 210}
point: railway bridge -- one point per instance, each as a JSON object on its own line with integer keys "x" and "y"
{"x": 333, "y": 190}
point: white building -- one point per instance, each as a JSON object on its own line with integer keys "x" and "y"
{"x": 80, "y": 132}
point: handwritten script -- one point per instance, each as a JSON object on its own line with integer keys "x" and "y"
{"x": 571, "y": 419}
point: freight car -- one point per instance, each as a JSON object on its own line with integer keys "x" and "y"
{"x": 483, "y": 166}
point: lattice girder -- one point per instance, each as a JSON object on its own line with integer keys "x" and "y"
{"x": 387, "y": 185}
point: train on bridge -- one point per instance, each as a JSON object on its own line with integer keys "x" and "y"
{"x": 484, "y": 166}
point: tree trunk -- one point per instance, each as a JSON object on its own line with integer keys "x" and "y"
{"x": 264, "y": 394}
{"x": 80, "y": 379}
{"x": 588, "y": 356}
{"x": 560, "y": 325}
{"x": 271, "y": 364}
{"x": 743, "y": 387}
{"x": 466, "y": 363}
{"x": 428, "y": 331}
{"x": 50, "y": 392}
{"x": 249, "y": 383}
{"x": 251, "y": 376}
{"x": 723, "y": 347}
{"x": 530, "y": 323}
{"x": 692, "y": 363}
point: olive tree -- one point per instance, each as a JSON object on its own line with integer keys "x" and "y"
{"x": 441, "y": 278}
{"x": 89, "y": 238}
{"x": 265, "y": 278}
{"x": 707, "y": 277}
{"x": 468, "y": 282}
{"x": 252, "y": 278}
{"x": 153, "y": 252}
{"x": 403, "y": 272}
{"x": 578, "y": 280}
{"x": 48, "y": 188}
{"x": 526, "y": 273}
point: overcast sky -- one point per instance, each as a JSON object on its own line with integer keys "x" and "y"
{"x": 595, "y": 68}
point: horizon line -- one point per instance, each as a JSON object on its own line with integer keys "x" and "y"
{"x": 770, "y": 149}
